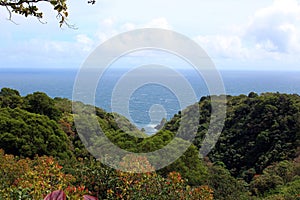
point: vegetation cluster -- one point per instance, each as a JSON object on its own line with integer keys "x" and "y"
{"x": 256, "y": 157}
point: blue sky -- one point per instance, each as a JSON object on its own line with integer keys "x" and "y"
{"x": 243, "y": 35}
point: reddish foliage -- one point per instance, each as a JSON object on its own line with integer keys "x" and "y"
{"x": 56, "y": 195}
{"x": 88, "y": 197}
{"x": 67, "y": 128}
{"x": 60, "y": 195}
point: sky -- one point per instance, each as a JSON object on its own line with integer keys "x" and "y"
{"x": 237, "y": 35}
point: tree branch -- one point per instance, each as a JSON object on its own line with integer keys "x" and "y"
{"x": 10, "y": 3}
{"x": 30, "y": 8}
{"x": 10, "y": 15}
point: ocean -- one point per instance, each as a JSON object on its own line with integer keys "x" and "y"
{"x": 150, "y": 102}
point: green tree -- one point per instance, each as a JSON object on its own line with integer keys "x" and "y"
{"x": 258, "y": 131}
{"x": 10, "y": 98}
{"x": 290, "y": 191}
{"x": 32, "y": 8}
{"x": 224, "y": 185}
{"x": 277, "y": 178}
{"x": 40, "y": 103}
{"x": 27, "y": 134}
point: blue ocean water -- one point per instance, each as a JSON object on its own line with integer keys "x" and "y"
{"x": 149, "y": 103}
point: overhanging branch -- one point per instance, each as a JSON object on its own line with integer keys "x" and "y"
{"x": 16, "y": 3}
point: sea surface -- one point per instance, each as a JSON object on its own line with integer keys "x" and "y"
{"x": 149, "y": 102}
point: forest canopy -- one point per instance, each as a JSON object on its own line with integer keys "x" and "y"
{"x": 256, "y": 157}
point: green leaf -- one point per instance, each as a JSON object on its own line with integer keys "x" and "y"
{"x": 53, "y": 2}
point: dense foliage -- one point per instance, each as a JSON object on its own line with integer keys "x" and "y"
{"x": 34, "y": 179}
{"x": 33, "y": 8}
{"x": 257, "y": 155}
{"x": 258, "y": 131}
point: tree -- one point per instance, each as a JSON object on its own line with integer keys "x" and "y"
{"x": 31, "y": 8}
{"x": 224, "y": 185}
{"x": 40, "y": 103}
{"x": 10, "y": 98}
{"x": 27, "y": 134}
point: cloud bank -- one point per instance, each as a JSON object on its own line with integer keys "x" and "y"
{"x": 270, "y": 33}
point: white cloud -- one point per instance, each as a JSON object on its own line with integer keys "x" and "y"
{"x": 276, "y": 28}
{"x": 108, "y": 22}
{"x": 42, "y": 53}
{"x": 229, "y": 46}
{"x": 110, "y": 27}
{"x": 272, "y": 32}
{"x": 106, "y": 29}
{"x": 128, "y": 26}
{"x": 84, "y": 42}
{"x": 45, "y": 52}
{"x": 158, "y": 23}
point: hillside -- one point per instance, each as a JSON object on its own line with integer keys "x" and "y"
{"x": 256, "y": 156}
{"x": 259, "y": 130}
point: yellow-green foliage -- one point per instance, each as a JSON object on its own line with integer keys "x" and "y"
{"x": 34, "y": 179}
{"x": 152, "y": 186}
